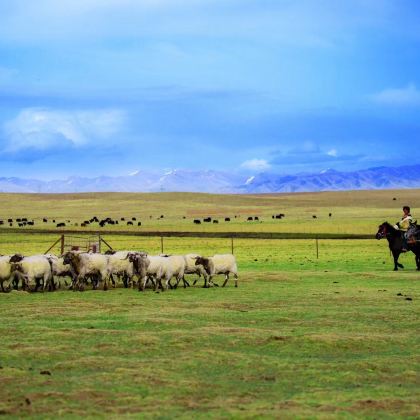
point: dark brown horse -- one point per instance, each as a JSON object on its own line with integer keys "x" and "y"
{"x": 395, "y": 239}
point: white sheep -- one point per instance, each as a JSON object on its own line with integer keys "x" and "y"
{"x": 121, "y": 266}
{"x": 158, "y": 267}
{"x": 87, "y": 265}
{"x": 192, "y": 268}
{"x": 219, "y": 264}
{"x": 59, "y": 268}
{"x": 32, "y": 269}
{"x": 5, "y": 270}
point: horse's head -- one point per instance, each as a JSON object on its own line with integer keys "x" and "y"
{"x": 383, "y": 230}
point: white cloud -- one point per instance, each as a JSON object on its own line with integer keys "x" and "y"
{"x": 332, "y": 153}
{"x": 408, "y": 95}
{"x": 256, "y": 165}
{"x": 43, "y": 129}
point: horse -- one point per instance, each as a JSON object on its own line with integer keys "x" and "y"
{"x": 395, "y": 241}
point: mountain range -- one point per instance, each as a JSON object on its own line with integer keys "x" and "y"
{"x": 224, "y": 182}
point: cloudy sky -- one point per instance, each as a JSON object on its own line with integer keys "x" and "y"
{"x": 91, "y": 87}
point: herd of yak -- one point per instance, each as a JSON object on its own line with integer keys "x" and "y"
{"x": 131, "y": 221}
{"x": 45, "y": 271}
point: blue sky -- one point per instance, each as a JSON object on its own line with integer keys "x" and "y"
{"x": 90, "y": 87}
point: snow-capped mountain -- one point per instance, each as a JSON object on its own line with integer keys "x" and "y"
{"x": 331, "y": 180}
{"x": 224, "y": 182}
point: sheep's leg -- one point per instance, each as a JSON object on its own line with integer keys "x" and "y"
{"x": 125, "y": 280}
{"x": 15, "y": 281}
{"x": 226, "y": 279}
{"x": 185, "y": 282}
{"x": 79, "y": 283}
{"x": 236, "y": 280}
{"x": 37, "y": 284}
{"x": 157, "y": 285}
{"x": 142, "y": 283}
{"x": 45, "y": 282}
{"x": 168, "y": 283}
{"x": 213, "y": 283}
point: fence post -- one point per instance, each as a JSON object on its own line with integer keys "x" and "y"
{"x": 62, "y": 244}
{"x": 99, "y": 243}
{"x": 317, "y": 248}
{"x": 231, "y": 244}
{"x": 161, "y": 244}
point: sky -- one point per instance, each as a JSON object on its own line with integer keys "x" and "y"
{"x": 92, "y": 87}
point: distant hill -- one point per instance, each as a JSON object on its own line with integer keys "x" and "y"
{"x": 225, "y": 182}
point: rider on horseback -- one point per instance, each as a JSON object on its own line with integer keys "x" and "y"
{"x": 404, "y": 224}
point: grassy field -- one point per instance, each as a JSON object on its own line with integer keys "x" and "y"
{"x": 334, "y": 336}
{"x": 352, "y": 212}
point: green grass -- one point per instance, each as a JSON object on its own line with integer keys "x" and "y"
{"x": 356, "y": 212}
{"x": 285, "y": 343}
{"x": 300, "y": 336}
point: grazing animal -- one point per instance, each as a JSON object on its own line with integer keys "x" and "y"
{"x": 129, "y": 223}
{"x": 197, "y": 222}
{"x": 59, "y": 268}
{"x": 33, "y": 269}
{"x": 84, "y": 265}
{"x": 158, "y": 267}
{"x": 138, "y": 223}
{"x": 314, "y": 216}
{"x": 141, "y": 263}
{"x": 61, "y": 225}
{"x": 192, "y": 268}
{"x": 250, "y": 219}
{"x": 215, "y": 221}
{"x": 5, "y": 271}
{"x": 207, "y": 219}
{"x": 227, "y": 219}
{"x": 219, "y": 264}
{"x": 395, "y": 242}
{"x": 120, "y": 265}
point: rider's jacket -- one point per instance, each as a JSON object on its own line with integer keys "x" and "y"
{"x": 404, "y": 224}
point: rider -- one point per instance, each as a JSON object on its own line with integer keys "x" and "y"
{"x": 403, "y": 225}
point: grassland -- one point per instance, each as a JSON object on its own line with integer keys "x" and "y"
{"x": 334, "y": 336}
{"x": 353, "y": 212}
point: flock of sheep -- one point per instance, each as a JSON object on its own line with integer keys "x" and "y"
{"x": 42, "y": 271}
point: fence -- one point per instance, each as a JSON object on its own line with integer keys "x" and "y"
{"x": 93, "y": 243}
{"x": 79, "y": 243}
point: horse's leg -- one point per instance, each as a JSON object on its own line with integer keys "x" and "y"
{"x": 396, "y": 255}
